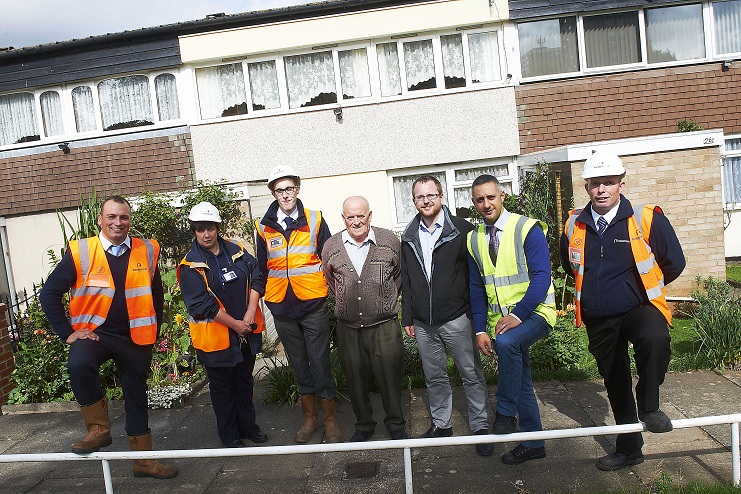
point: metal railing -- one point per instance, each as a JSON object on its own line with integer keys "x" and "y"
{"x": 406, "y": 445}
{"x": 21, "y": 302}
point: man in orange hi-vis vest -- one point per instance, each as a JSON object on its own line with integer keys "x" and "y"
{"x": 621, "y": 256}
{"x": 290, "y": 239}
{"x": 115, "y": 309}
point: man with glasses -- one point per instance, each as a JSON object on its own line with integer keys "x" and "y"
{"x": 289, "y": 242}
{"x": 435, "y": 308}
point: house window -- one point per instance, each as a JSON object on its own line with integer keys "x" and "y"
{"x": 419, "y": 65}
{"x": 405, "y": 209}
{"x": 354, "y": 76}
{"x": 51, "y": 113}
{"x": 264, "y": 85}
{"x": 221, "y": 91}
{"x": 310, "y": 79}
{"x": 727, "y": 20}
{"x": 83, "y": 106}
{"x": 453, "y": 67}
{"x": 548, "y": 47}
{"x": 166, "y": 90}
{"x": 732, "y": 171}
{"x": 675, "y": 33}
{"x": 388, "y": 68}
{"x": 484, "y": 52}
{"x": 17, "y": 119}
{"x": 125, "y": 102}
{"x": 612, "y": 39}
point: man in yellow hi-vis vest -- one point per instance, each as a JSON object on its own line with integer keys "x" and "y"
{"x": 512, "y": 297}
{"x": 115, "y": 309}
{"x": 621, "y": 257}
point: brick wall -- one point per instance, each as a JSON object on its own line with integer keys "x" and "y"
{"x": 126, "y": 165}
{"x": 631, "y": 104}
{"x": 7, "y": 363}
{"x": 686, "y": 184}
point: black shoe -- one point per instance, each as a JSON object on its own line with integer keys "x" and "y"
{"x": 435, "y": 431}
{"x": 656, "y": 421}
{"x": 484, "y": 449}
{"x": 399, "y": 433}
{"x": 504, "y": 424}
{"x": 257, "y": 437}
{"x": 237, "y": 443}
{"x": 521, "y": 454}
{"x": 616, "y": 461}
{"x": 361, "y": 436}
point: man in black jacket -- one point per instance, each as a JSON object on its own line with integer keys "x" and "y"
{"x": 435, "y": 308}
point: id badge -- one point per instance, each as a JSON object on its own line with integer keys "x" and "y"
{"x": 277, "y": 242}
{"x": 576, "y": 255}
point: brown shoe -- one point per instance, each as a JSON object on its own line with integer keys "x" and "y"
{"x": 332, "y": 432}
{"x": 98, "y": 427}
{"x": 149, "y": 468}
{"x": 310, "y": 408}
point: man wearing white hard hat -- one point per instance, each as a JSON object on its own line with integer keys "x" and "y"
{"x": 289, "y": 242}
{"x": 622, "y": 256}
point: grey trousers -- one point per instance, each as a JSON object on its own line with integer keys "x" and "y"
{"x": 378, "y": 351}
{"x": 457, "y": 336}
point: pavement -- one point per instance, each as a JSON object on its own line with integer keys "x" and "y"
{"x": 682, "y": 456}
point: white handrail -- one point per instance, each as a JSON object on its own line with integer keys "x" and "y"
{"x": 405, "y": 444}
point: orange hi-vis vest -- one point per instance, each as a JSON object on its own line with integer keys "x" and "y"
{"x": 209, "y": 335}
{"x": 639, "y": 232}
{"x": 92, "y": 294}
{"x": 296, "y": 260}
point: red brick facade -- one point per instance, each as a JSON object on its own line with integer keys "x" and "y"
{"x": 51, "y": 180}
{"x": 616, "y": 106}
{"x": 7, "y": 362}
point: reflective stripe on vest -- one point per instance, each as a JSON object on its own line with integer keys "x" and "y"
{"x": 508, "y": 281}
{"x": 639, "y": 232}
{"x": 296, "y": 260}
{"x": 92, "y": 295}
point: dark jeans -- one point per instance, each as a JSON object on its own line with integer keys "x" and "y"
{"x": 132, "y": 364}
{"x": 646, "y": 328}
{"x": 306, "y": 341}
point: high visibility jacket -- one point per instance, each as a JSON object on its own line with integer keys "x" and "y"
{"x": 209, "y": 335}
{"x": 296, "y": 260}
{"x": 92, "y": 294}
{"x": 508, "y": 281}
{"x": 639, "y": 232}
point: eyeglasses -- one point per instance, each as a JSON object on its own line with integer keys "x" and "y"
{"x": 287, "y": 190}
{"x": 428, "y": 197}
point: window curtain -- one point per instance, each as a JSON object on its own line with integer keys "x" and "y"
{"x": 420, "y": 65}
{"x": 548, "y": 47}
{"x": 124, "y": 102}
{"x": 727, "y": 16}
{"x": 405, "y": 209}
{"x": 612, "y": 39}
{"x": 453, "y": 69}
{"x": 166, "y": 90}
{"x": 82, "y": 104}
{"x": 354, "y": 75}
{"x": 51, "y": 113}
{"x": 675, "y": 33}
{"x": 311, "y": 79}
{"x": 221, "y": 91}
{"x": 17, "y": 119}
{"x": 264, "y": 85}
{"x": 484, "y": 51}
{"x": 388, "y": 68}
{"x": 732, "y": 173}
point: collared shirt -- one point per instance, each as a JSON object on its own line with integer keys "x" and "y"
{"x": 428, "y": 237}
{"x": 107, "y": 243}
{"x": 501, "y": 221}
{"x": 608, "y": 216}
{"x": 282, "y": 216}
{"x": 358, "y": 252}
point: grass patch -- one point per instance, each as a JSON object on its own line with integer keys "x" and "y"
{"x": 733, "y": 272}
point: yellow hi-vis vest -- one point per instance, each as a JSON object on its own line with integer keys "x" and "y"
{"x": 507, "y": 282}
{"x": 207, "y": 334}
{"x": 639, "y": 232}
{"x": 92, "y": 294}
{"x": 297, "y": 260}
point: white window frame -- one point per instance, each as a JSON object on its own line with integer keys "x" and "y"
{"x": 727, "y": 205}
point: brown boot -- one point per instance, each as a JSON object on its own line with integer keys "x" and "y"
{"x": 310, "y": 408}
{"x": 98, "y": 428}
{"x": 332, "y": 432}
{"x": 149, "y": 468}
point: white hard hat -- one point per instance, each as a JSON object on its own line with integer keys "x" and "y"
{"x": 603, "y": 165}
{"x": 204, "y": 211}
{"x": 280, "y": 171}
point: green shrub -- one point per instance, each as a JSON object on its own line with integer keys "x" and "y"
{"x": 562, "y": 349}
{"x": 279, "y": 383}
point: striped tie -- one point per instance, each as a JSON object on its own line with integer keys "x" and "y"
{"x": 601, "y": 226}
